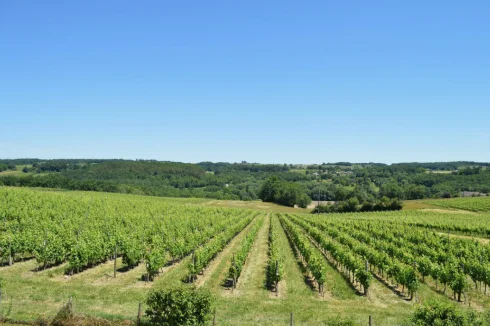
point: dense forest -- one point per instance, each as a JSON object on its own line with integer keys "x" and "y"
{"x": 340, "y": 182}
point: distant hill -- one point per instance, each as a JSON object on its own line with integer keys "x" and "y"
{"x": 341, "y": 181}
{"x": 135, "y": 170}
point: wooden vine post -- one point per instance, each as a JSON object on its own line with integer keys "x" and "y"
{"x": 139, "y": 314}
{"x": 10, "y": 242}
{"x": 367, "y": 273}
{"x": 277, "y": 278}
{"x": 234, "y": 273}
{"x": 115, "y": 260}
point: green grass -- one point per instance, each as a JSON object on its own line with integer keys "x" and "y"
{"x": 417, "y": 204}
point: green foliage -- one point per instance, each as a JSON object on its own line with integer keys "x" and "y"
{"x": 275, "y": 265}
{"x": 331, "y": 182}
{"x": 241, "y": 255}
{"x": 283, "y": 193}
{"x": 391, "y": 190}
{"x": 338, "y": 321}
{"x": 458, "y": 283}
{"x": 203, "y": 255}
{"x": 180, "y": 306}
{"x": 442, "y": 313}
{"x": 311, "y": 256}
{"x": 84, "y": 229}
{"x": 352, "y": 205}
{"x": 64, "y": 316}
{"x": 340, "y": 251}
{"x": 476, "y": 204}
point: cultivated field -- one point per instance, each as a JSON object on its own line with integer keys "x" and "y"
{"x": 476, "y": 204}
{"x": 60, "y": 245}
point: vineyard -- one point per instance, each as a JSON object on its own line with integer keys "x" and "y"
{"x": 475, "y": 204}
{"x": 107, "y": 251}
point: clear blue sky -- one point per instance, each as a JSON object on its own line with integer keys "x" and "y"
{"x": 261, "y": 81}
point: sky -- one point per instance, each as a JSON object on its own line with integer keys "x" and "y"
{"x": 261, "y": 81}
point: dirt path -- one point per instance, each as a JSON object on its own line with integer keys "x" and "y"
{"x": 252, "y": 278}
{"x": 220, "y": 261}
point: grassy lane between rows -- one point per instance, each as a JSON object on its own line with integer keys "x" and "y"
{"x": 258, "y": 306}
{"x": 94, "y": 292}
{"x": 252, "y": 279}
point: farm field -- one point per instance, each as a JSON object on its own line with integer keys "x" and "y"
{"x": 475, "y": 204}
{"x": 57, "y": 245}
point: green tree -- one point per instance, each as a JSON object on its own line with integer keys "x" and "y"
{"x": 391, "y": 190}
{"x": 417, "y": 192}
{"x": 270, "y": 189}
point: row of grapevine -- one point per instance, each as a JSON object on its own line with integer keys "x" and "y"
{"x": 460, "y": 222}
{"x": 203, "y": 255}
{"x": 157, "y": 252}
{"x": 444, "y": 259}
{"x": 475, "y": 204}
{"x": 353, "y": 265}
{"x": 84, "y": 229}
{"x": 411, "y": 251}
{"x": 401, "y": 272}
{"x": 242, "y": 253}
{"x": 275, "y": 265}
{"x": 309, "y": 255}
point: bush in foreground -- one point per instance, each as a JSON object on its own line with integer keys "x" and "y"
{"x": 179, "y": 306}
{"x": 442, "y": 313}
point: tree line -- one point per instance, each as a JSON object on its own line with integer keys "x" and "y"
{"x": 353, "y": 205}
{"x": 339, "y": 182}
{"x": 7, "y": 166}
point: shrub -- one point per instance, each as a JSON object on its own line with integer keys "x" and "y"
{"x": 436, "y": 312}
{"x": 179, "y": 306}
{"x": 338, "y": 321}
{"x": 64, "y": 316}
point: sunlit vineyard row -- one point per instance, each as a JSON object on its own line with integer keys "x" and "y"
{"x": 437, "y": 220}
{"x": 393, "y": 251}
{"x": 85, "y": 229}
